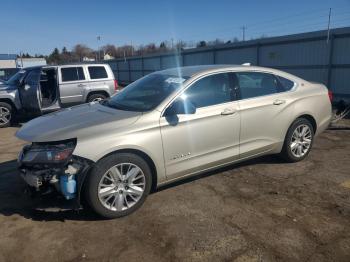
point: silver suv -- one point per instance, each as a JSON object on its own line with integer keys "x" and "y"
{"x": 38, "y": 90}
{"x": 167, "y": 126}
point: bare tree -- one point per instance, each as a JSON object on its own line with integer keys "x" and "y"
{"x": 82, "y": 51}
{"x": 110, "y": 49}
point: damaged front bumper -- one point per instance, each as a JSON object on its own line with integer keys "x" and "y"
{"x": 65, "y": 176}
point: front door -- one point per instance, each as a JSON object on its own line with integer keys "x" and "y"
{"x": 29, "y": 92}
{"x": 207, "y": 138}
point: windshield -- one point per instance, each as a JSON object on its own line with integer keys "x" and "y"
{"x": 146, "y": 93}
{"x": 16, "y": 78}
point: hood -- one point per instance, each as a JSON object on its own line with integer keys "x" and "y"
{"x": 7, "y": 87}
{"x": 78, "y": 122}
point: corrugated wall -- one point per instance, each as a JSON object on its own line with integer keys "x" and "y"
{"x": 308, "y": 55}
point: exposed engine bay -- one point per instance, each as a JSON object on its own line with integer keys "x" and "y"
{"x": 49, "y": 167}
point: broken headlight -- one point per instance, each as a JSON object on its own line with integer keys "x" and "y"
{"x": 58, "y": 152}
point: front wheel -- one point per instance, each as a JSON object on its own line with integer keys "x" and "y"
{"x": 6, "y": 114}
{"x": 118, "y": 185}
{"x": 298, "y": 141}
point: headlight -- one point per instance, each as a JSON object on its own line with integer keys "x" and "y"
{"x": 48, "y": 153}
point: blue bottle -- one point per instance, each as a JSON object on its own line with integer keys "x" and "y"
{"x": 68, "y": 186}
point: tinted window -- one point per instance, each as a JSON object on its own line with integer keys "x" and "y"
{"x": 72, "y": 74}
{"x": 285, "y": 83}
{"x": 17, "y": 78}
{"x": 81, "y": 73}
{"x": 211, "y": 90}
{"x": 253, "y": 84}
{"x": 97, "y": 72}
{"x": 32, "y": 77}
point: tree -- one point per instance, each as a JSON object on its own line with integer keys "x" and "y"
{"x": 180, "y": 45}
{"x": 82, "y": 51}
{"x": 201, "y": 44}
{"x": 54, "y": 57}
{"x": 110, "y": 49}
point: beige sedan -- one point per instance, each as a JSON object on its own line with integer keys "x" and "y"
{"x": 170, "y": 125}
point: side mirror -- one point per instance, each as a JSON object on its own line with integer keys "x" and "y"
{"x": 180, "y": 107}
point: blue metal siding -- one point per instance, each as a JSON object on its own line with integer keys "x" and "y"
{"x": 341, "y": 54}
{"x": 306, "y": 55}
{"x": 236, "y": 56}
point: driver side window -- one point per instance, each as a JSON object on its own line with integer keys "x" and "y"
{"x": 32, "y": 77}
{"x": 210, "y": 90}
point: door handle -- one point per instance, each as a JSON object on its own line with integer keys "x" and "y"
{"x": 228, "y": 111}
{"x": 81, "y": 85}
{"x": 278, "y": 102}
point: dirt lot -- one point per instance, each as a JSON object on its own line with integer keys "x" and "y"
{"x": 261, "y": 210}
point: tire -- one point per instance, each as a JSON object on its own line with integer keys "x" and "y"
{"x": 101, "y": 176}
{"x": 96, "y": 97}
{"x": 6, "y": 114}
{"x": 295, "y": 147}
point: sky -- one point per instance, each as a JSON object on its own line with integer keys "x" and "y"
{"x": 37, "y": 27}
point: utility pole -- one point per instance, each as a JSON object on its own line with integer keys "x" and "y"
{"x": 132, "y": 49}
{"x": 329, "y": 24}
{"x": 98, "y": 47}
{"x": 172, "y": 43}
{"x": 243, "y": 31}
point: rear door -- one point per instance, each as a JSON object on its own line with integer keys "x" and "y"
{"x": 29, "y": 92}
{"x": 72, "y": 83}
{"x": 266, "y": 111}
{"x": 100, "y": 80}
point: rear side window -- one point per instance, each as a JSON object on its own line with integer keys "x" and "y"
{"x": 97, "y": 72}
{"x": 72, "y": 74}
{"x": 255, "y": 84}
{"x": 210, "y": 90}
{"x": 286, "y": 84}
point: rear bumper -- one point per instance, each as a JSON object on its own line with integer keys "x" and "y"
{"x": 323, "y": 125}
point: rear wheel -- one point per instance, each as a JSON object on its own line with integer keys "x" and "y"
{"x": 118, "y": 185}
{"x": 298, "y": 141}
{"x": 6, "y": 114}
{"x": 96, "y": 97}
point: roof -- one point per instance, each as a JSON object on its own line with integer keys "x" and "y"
{"x": 189, "y": 71}
{"x": 8, "y": 57}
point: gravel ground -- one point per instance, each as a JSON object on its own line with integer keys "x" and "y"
{"x": 260, "y": 210}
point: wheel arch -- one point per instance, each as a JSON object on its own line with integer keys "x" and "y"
{"x": 310, "y": 118}
{"x": 10, "y": 102}
{"x": 103, "y": 92}
{"x": 145, "y": 157}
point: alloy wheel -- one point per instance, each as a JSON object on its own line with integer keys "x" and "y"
{"x": 97, "y": 99}
{"x": 121, "y": 187}
{"x": 5, "y": 115}
{"x": 301, "y": 140}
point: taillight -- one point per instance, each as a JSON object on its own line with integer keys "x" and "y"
{"x": 115, "y": 85}
{"x": 330, "y": 95}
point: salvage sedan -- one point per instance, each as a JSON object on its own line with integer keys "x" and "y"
{"x": 167, "y": 126}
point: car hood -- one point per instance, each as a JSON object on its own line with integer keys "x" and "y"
{"x": 78, "y": 122}
{"x": 5, "y": 86}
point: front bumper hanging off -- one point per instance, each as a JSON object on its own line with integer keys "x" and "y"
{"x": 46, "y": 178}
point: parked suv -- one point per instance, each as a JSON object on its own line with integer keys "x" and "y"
{"x": 169, "y": 125}
{"x": 42, "y": 89}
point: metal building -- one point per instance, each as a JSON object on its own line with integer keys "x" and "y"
{"x": 313, "y": 56}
